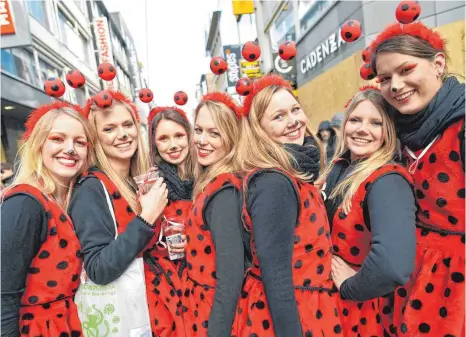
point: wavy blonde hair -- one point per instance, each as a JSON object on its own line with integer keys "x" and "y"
{"x": 139, "y": 160}
{"x": 229, "y": 128}
{"x": 30, "y": 167}
{"x": 257, "y": 149}
{"x": 348, "y": 186}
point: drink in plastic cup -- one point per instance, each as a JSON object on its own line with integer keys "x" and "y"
{"x": 173, "y": 232}
{"x": 146, "y": 180}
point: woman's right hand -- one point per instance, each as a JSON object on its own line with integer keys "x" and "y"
{"x": 153, "y": 202}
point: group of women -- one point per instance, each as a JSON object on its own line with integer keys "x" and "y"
{"x": 276, "y": 242}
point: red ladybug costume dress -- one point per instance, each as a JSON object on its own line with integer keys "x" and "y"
{"x": 351, "y": 239}
{"x": 432, "y": 303}
{"x": 199, "y": 276}
{"x": 163, "y": 281}
{"x": 314, "y": 291}
{"x": 165, "y": 276}
{"x": 47, "y": 307}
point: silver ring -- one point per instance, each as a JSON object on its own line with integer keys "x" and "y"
{"x": 71, "y": 152}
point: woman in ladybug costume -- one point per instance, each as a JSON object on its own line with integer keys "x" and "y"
{"x": 372, "y": 213}
{"x": 410, "y": 64}
{"x": 288, "y": 291}
{"x": 40, "y": 251}
{"x": 170, "y": 149}
{"x": 214, "y": 253}
{"x": 120, "y": 156}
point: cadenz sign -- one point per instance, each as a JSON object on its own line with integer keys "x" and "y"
{"x": 329, "y": 46}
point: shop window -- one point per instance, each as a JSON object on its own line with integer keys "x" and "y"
{"x": 48, "y": 71}
{"x": 283, "y": 28}
{"x": 77, "y": 96}
{"x": 312, "y": 11}
{"x": 39, "y": 11}
{"x": 71, "y": 37}
{"x": 81, "y": 4}
{"x": 19, "y": 62}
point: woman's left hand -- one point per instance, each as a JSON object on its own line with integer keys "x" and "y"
{"x": 179, "y": 248}
{"x": 341, "y": 271}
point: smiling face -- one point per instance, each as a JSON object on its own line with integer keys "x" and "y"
{"x": 171, "y": 140}
{"x": 117, "y": 133}
{"x": 64, "y": 152}
{"x": 409, "y": 83}
{"x": 210, "y": 146}
{"x": 284, "y": 121}
{"x": 363, "y": 132}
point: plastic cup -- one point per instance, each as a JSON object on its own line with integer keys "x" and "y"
{"x": 146, "y": 180}
{"x": 173, "y": 232}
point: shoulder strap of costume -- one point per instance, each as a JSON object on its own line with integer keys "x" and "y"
{"x": 462, "y": 149}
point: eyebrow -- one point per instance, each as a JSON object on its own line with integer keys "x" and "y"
{"x": 283, "y": 110}
{"x": 208, "y": 129}
{"x": 63, "y": 134}
{"x": 396, "y": 67}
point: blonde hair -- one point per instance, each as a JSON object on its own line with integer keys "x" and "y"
{"x": 348, "y": 186}
{"x": 257, "y": 149}
{"x": 228, "y": 126}
{"x": 30, "y": 167}
{"x": 139, "y": 160}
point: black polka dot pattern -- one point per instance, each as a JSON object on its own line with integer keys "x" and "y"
{"x": 47, "y": 284}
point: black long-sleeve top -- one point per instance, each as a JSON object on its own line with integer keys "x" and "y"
{"x": 391, "y": 212}
{"x": 272, "y": 203}
{"x": 222, "y": 214}
{"x": 23, "y": 231}
{"x": 105, "y": 258}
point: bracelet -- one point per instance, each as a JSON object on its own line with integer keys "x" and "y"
{"x": 151, "y": 226}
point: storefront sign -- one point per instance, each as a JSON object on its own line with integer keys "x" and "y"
{"x": 104, "y": 45}
{"x": 6, "y": 18}
{"x": 251, "y": 69}
{"x": 233, "y": 57}
{"x": 241, "y": 7}
{"x": 102, "y": 36}
{"x": 321, "y": 52}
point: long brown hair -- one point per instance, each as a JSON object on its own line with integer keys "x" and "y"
{"x": 174, "y": 116}
{"x": 348, "y": 186}
{"x": 257, "y": 149}
{"x": 229, "y": 127}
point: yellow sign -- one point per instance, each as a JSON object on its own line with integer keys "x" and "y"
{"x": 243, "y": 7}
{"x": 251, "y": 69}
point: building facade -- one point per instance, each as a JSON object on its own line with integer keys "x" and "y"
{"x": 56, "y": 38}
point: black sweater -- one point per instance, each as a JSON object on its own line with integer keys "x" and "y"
{"x": 272, "y": 203}
{"x": 23, "y": 230}
{"x": 105, "y": 258}
{"x": 391, "y": 212}
{"x": 222, "y": 214}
